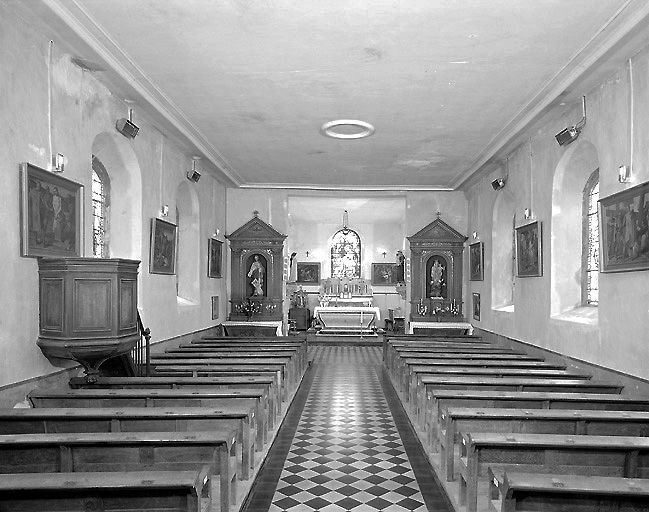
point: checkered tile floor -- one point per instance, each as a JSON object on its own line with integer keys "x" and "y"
{"x": 347, "y": 453}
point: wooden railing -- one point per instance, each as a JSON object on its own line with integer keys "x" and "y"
{"x": 141, "y": 353}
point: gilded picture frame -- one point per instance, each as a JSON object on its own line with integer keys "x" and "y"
{"x": 214, "y": 258}
{"x": 164, "y": 236}
{"x": 476, "y": 261}
{"x": 529, "y": 250}
{"x": 51, "y": 214}
{"x": 624, "y": 230}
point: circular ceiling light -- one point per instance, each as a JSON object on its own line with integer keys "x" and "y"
{"x": 347, "y": 129}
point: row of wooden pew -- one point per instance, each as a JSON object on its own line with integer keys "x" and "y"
{"x": 508, "y": 432}
{"x": 190, "y": 437}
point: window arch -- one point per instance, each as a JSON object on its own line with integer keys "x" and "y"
{"x": 188, "y": 246}
{"x": 503, "y": 266}
{"x": 590, "y": 242}
{"x": 346, "y": 254}
{"x": 100, "y": 209}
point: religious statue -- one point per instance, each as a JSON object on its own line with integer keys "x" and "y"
{"x": 436, "y": 279}
{"x": 401, "y": 267}
{"x": 256, "y": 272}
{"x": 292, "y": 273}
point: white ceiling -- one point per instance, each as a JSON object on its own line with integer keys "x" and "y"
{"x": 446, "y": 83}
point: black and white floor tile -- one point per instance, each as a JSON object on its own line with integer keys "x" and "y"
{"x": 346, "y": 452}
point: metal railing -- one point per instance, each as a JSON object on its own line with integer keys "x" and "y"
{"x": 141, "y": 353}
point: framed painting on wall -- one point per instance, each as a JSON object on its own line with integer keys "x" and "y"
{"x": 308, "y": 273}
{"x": 214, "y": 257}
{"x": 624, "y": 229}
{"x": 529, "y": 249}
{"x": 476, "y": 261}
{"x": 476, "y": 306}
{"x": 51, "y": 214}
{"x": 215, "y": 307}
{"x": 384, "y": 274}
{"x": 163, "y": 247}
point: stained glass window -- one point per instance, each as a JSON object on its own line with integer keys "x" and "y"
{"x": 346, "y": 254}
{"x": 100, "y": 196}
{"x": 590, "y": 242}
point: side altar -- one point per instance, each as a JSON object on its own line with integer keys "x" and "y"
{"x": 346, "y": 308}
{"x": 436, "y": 304}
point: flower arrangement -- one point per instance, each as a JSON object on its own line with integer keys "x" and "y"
{"x": 248, "y": 307}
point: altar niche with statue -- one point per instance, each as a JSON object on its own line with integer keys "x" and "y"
{"x": 257, "y": 270}
{"x": 436, "y": 273}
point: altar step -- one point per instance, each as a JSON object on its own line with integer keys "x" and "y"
{"x": 348, "y": 340}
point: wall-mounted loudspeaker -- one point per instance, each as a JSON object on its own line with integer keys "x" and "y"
{"x": 567, "y": 135}
{"x": 127, "y": 128}
{"x": 498, "y": 183}
{"x": 193, "y": 175}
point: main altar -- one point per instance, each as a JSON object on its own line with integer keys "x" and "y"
{"x": 345, "y": 308}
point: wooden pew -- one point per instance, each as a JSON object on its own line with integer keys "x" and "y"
{"x": 140, "y": 419}
{"x": 517, "y": 492}
{"x": 229, "y": 367}
{"x": 133, "y": 451}
{"x": 294, "y": 365}
{"x": 546, "y": 453}
{"x": 422, "y": 341}
{"x": 265, "y": 382}
{"x": 300, "y": 355}
{"x": 459, "y": 420}
{"x": 432, "y": 352}
{"x": 401, "y": 373}
{"x": 427, "y": 383}
{"x": 438, "y": 400}
{"x": 205, "y": 371}
{"x": 416, "y": 372}
{"x": 219, "y": 399}
{"x": 171, "y": 491}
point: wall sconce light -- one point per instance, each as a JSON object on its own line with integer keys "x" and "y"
{"x": 498, "y": 183}
{"x": 217, "y": 232}
{"x": 194, "y": 175}
{"x": 570, "y": 134}
{"x": 475, "y": 235}
{"x": 126, "y": 126}
{"x": 624, "y": 174}
{"x": 164, "y": 211}
{"x": 58, "y": 163}
{"x": 527, "y": 213}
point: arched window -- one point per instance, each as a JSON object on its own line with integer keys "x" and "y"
{"x": 346, "y": 254}
{"x": 503, "y": 266}
{"x": 590, "y": 242}
{"x": 100, "y": 205}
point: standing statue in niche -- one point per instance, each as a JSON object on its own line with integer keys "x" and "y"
{"x": 436, "y": 279}
{"x": 256, "y": 272}
{"x": 401, "y": 267}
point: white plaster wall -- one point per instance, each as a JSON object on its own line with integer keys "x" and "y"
{"x": 82, "y": 108}
{"x": 616, "y": 336}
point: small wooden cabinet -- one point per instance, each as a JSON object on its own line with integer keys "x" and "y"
{"x": 302, "y": 317}
{"x": 88, "y": 309}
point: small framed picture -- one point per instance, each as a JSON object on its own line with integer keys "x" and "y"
{"x": 476, "y": 306}
{"x": 308, "y": 273}
{"x": 163, "y": 247}
{"x": 51, "y": 214}
{"x": 214, "y": 257}
{"x": 384, "y": 274}
{"x": 529, "y": 249}
{"x": 476, "y": 261}
{"x": 623, "y": 221}
{"x": 215, "y": 307}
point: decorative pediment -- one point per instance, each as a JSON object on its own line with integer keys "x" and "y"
{"x": 437, "y": 231}
{"x": 255, "y": 229}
